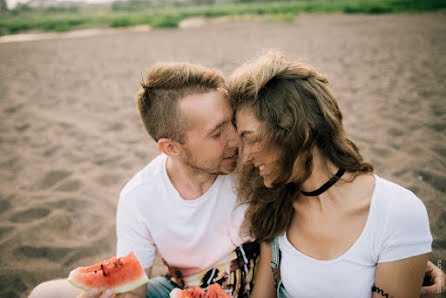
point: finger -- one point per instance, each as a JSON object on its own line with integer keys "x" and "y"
{"x": 430, "y": 290}
{"x": 107, "y": 294}
{"x": 93, "y": 292}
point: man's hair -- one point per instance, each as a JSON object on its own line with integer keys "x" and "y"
{"x": 297, "y": 112}
{"x": 166, "y": 84}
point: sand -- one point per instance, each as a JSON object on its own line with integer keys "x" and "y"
{"x": 70, "y": 136}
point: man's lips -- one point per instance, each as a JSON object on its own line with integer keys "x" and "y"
{"x": 233, "y": 156}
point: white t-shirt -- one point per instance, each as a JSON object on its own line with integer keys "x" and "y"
{"x": 191, "y": 235}
{"x": 397, "y": 227}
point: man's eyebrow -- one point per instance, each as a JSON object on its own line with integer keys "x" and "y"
{"x": 211, "y": 132}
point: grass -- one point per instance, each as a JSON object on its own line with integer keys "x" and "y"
{"x": 122, "y": 14}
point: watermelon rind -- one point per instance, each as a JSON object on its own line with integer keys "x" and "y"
{"x": 118, "y": 290}
{"x": 72, "y": 280}
{"x": 130, "y": 286}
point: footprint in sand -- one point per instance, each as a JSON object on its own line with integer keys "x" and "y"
{"x": 23, "y": 127}
{"x": 440, "y": 150}
{"x": 5, "y": 205}
{"x": 71, "y": 185}
{"x": 70, "y": 205}
{"x": 395, "y": 132}
{"x": 115, "y": 127}
{"x": 108, "y": 180}
{"x": 435, "y": 181}
{"x": 439, "y": 127}
{"x": 5, "y": 231}
{"x": 50, "y": 253}
{"x": 441, "y": 222}
{"x": 50, "y": 152}
{"x": 439, "y": 244}
{"x": 382, "y": 152}
{"x": 13, "y": 110}
{"x": 30, "y": 215}
{"x": 52, "y": 177}
{"x": 11, "y": 281}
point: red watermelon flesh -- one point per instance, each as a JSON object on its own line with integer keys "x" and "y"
{"x": 117, "y": 274}
{"x": 212, "y": 291}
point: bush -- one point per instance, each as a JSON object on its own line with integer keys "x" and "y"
{"x": 165, "y": 21}
{"x": 121, "y": 22}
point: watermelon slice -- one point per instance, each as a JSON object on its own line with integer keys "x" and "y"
{"x": 212, "y": 291}
{"x": 117, "y": 274}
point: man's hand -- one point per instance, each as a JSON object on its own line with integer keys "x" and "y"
{"x": 434, "y": 281}
{"x": 95, "y": 293}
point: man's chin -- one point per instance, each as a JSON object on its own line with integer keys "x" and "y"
{"x": 228, "y": 168}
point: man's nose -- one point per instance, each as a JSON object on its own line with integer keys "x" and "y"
{"x": 234, "y": 138}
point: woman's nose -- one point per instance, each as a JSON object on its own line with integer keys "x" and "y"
{"x": 246, "y": 156}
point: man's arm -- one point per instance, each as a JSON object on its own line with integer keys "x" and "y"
{"x": 264, "y": 280}
{"x": 400, "y": 279}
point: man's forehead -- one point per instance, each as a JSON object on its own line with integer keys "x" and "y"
{"x": 206, "y": 109}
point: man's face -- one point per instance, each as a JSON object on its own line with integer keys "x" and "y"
{"x": 211, "y": 144}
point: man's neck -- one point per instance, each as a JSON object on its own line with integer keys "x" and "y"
{"x": 190, "y": 183}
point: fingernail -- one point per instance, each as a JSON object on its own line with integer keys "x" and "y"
{"x": 108, "y": 293}
{"x": 93, "y": 292}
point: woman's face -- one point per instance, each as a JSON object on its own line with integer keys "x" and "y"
{"x": 255, "y": 150}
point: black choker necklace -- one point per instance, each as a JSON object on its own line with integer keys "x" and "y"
{"x": 326, "y": 186}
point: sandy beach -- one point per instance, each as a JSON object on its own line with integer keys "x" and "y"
{"x": 70, "y": 135}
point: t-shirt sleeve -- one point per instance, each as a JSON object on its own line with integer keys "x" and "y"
{"x": 131, "y": 232}
{"x": 406, "y": 230}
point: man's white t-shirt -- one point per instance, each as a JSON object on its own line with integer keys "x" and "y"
{"x": 191, "y": 235}
{"x": 397, "y": 227}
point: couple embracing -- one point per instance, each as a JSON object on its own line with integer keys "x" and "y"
{"x": 259, "y": 189}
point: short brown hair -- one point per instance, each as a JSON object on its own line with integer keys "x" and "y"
{"x": 297, "y": 112}
{"x": 167, "y": 83}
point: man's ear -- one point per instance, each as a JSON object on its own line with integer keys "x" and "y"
{"x": 169, "y": 147}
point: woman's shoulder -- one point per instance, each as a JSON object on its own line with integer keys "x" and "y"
{"x": 402, "y": 221}
{"x": 393, "y": 199}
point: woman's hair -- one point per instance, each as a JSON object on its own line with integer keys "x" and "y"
{"x": 166, "y": 84}
{"x": 297, "y": 113}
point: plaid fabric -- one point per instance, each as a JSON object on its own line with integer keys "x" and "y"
{"x": 235, "y": 272}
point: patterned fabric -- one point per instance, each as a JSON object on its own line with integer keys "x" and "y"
{"x": 235, "y": 272}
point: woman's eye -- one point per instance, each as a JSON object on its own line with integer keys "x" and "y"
{"x": 216, "y": 136}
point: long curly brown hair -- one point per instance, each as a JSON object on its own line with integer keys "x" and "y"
{"x": 297, "y": 113}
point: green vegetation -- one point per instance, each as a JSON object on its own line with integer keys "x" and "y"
{"x": 135, "y": 12}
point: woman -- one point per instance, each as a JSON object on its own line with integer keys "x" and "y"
{"x": 341, "y": 230}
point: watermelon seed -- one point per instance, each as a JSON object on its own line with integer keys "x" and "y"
{"x": 103, "y": 270}
{"x": 119, "y": 261}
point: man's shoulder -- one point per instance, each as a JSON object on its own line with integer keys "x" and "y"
{"x": 147, "y": 178}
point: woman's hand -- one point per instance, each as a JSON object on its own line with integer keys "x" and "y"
{"x": 434, "y": 281}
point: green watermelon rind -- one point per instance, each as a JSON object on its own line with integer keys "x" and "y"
{"x": 117, "y": 290}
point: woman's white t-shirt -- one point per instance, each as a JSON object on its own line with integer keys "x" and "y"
{"x": 191, "y": 235}
{"x": 397, "y": 227}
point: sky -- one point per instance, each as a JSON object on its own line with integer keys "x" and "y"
{"x": 13, "y": 3}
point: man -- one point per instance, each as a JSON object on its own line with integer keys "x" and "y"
{"x": 182, "y": 204}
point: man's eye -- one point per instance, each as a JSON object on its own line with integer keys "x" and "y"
{"x": 216, "y": 136}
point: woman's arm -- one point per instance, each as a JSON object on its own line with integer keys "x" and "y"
{"x": 264, "y": 280}
{"x": 402, "y": 278}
